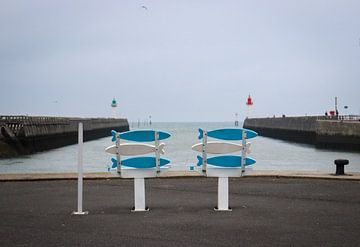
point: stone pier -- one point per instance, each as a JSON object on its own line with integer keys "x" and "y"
{"x": 27, "y": 134}
{"x": 325, "y": 132}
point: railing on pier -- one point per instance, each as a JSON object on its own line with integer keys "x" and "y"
{"x": 30, "y": 126}
{"x": 17, "y": 123}
{"x": 340, "y": 117}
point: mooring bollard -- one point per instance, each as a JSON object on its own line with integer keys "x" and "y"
{"x": 340, "y": 163}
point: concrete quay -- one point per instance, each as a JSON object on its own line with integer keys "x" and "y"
{"x": 267, "y": 211}
{"x": 355, "y": 176}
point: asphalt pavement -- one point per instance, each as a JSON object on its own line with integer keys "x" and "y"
{"x": 266, "y": 212}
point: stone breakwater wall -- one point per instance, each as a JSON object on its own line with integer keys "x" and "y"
{"x": 317, "y": 130}
{"x": 24, "y": 134}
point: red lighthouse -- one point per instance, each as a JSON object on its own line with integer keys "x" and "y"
{"x": 249, "y": 101}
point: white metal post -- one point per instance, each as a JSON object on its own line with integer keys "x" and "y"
{"x": 118, "y": 158}
{"x": 139, "y": 195}
{"x": 223, "y": 194}
{"x": 204, "y": 154}
{"x": 80, "y": 171}
{"x": 243, "y": 152}
{"x": 157, "y": 152}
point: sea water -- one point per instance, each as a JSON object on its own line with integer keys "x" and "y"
{"x": 270, "y": 154}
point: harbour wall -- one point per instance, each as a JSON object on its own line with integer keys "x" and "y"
{"x": 25, "y": 134}
{"x": 323, "y": 132}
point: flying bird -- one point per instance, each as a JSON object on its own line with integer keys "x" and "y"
{"x": 144, "y": 7}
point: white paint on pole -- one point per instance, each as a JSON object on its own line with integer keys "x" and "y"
{"x": 243, "y": 152}
{"x": 223, "y": 194}
{"x": 157, "y": 151}
{"x": 80, "y": 171}
{"x": 204, "y": 154}
{"x": 118, "y": 157}
{"x": 139, "y": 195}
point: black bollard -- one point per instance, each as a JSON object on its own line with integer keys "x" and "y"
{"x": 340, "y": 163}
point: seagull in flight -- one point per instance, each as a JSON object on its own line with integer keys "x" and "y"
{"x": 144, "y": 7}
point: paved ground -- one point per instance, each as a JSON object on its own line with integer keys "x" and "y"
{"x": 266, "y": 212}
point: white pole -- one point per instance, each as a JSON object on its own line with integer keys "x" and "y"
{"x": 117, "y": 136}
{"x": 243, "y": 152}
{"x": 139, "y": 194}
{"x": 80, "y": 171}
{"x": 157, "y": 151}
{"x": 223, "y": 194}
{"x": 204, "y": 154}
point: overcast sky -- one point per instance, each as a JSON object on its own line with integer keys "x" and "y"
{"x": 179, "y": 60}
